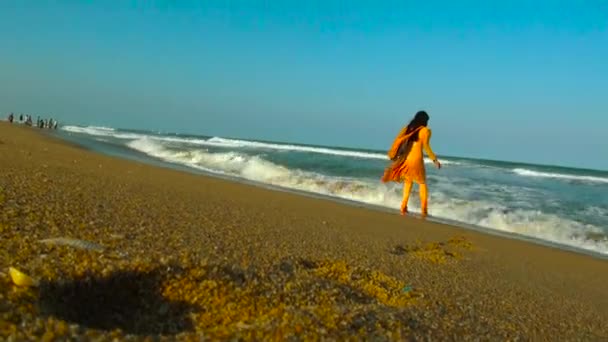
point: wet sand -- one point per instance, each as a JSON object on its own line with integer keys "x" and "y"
{"x": 141, "y": 251}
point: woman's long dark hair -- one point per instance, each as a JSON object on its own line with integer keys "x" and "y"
{"x": 420, "y": 119}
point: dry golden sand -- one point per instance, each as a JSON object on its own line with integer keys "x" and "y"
{"x": 172, "y": 255}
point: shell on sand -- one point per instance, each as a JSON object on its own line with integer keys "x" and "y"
{"x": 80, "y": 244}
{"x": 21, "y": 279}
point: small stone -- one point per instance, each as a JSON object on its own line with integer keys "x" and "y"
{"x": 164, "y": 308}
{"x": 286, "y": 267}
{"x": 48, "y": 336}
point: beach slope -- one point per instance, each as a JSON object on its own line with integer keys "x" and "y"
{"x": 119, "y": 249}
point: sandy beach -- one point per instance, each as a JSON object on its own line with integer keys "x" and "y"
{"x": 119, "y": 249}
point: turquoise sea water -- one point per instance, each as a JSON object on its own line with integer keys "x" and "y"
{"x": 555, "y": 204}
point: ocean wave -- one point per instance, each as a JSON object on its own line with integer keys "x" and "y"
{"x": 93, "y": 130}
{"x": 527, "y": 222}
{"x": 583, "y": 178}
{"x": 595, "y": 211}
{"x": 101, "y": 131}
{"x": 287, "y": 147}
{"x": 157, "y": 150}
{"x": 484, "y": 213}
{"x": 103, "y": 128}
{"x": 236, "y": 143}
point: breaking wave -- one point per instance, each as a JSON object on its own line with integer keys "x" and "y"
{"x": 583, "y": 178}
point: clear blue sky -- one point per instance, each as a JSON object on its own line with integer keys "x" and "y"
{"x": 515, "y": 80}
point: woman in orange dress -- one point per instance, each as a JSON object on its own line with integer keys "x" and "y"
{"x": 407, "y": 160}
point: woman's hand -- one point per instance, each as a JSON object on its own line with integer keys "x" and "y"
{"x": 437, "y": 163}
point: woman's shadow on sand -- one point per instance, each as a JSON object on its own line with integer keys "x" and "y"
{"x": 129, "y": 301}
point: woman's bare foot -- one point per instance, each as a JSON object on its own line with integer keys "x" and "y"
{"x": 403, "y": 210}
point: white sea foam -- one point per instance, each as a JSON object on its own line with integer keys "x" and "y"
{"x": 485, "y": 213}
{"x": 596, "y": 211}
{"x": 102, "y": 132}
{"x": 583, "y": 178}
{"x": 93, "y": 130}
{"x": 235, "y": 143}
{"x": 287, "y": 147}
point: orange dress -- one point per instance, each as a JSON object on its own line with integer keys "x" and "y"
{"x": 409, "y": 165}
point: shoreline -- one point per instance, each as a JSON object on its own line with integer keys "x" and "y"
{"x": 195, "y": 256}
{"x": 156, "y": 162}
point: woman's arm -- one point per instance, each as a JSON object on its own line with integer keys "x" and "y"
{"x": 426, "y": 137}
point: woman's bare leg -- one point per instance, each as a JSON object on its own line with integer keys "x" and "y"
{"x": 424, "y": 199}
{"x": 407, "y": 188}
